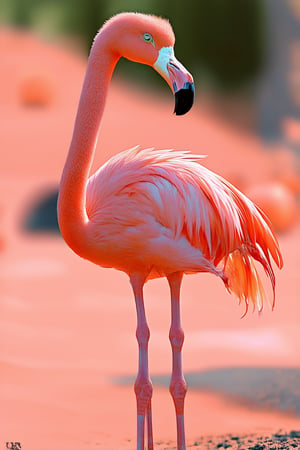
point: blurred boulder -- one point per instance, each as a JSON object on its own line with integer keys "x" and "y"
{"x": 36, "y": 90}
{"x": 277, "y": 201}
{"x": 41, "y": 215}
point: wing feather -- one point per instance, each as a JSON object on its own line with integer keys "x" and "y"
{"x": 190, "y": 200}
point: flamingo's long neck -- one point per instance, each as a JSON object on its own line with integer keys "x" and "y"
{"x": 72, "y": 196}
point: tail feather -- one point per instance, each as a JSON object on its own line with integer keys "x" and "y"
{"x": 244, "y": 281}
{"x": 264, "y": 259}
{"x": 258, "y": 244}
{"x": 259, "y": 229}
{"x": 267, "y": 239}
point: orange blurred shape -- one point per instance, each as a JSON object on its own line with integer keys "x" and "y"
{"x": 36, "y": 90}
{"x": 291, "y": 129}
{"x": 292, "y": 181}
{"x": 277, "y": 201}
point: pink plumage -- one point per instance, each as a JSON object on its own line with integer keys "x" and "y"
{"x": 166, "y": 213}
{"x": 157, "y": 213}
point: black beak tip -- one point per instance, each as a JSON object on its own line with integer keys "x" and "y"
{"x": 184, "y": 99}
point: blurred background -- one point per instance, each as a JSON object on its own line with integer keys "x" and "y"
{"x": 222, "y": 41}
{"x": 58, "y": 312}
{"x": 249, "y": 48}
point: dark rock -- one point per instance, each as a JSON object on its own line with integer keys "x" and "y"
{"x": 41, "y": 215}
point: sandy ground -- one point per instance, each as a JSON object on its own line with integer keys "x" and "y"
{"x": 67, "y": 328}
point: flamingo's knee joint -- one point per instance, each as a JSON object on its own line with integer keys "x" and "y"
{"x": 143, "y": 390}
{"x": 176, "y": 337}
{"x": 143, "y": 334}
{"x": 178, "y": 389}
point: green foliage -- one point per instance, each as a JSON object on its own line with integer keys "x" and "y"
{"x": 224, "y": 39}
{"x": 220, "y": 40}
{"x": 84, "y": 18}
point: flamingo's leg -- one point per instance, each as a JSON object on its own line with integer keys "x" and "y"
{"x": 143, "y": 385}
{"x": 178, "y": 386}
{"x": 149, "y": 426}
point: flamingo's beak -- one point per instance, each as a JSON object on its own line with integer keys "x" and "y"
{"x": 179, "y": 79}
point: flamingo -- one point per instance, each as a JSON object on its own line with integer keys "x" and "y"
{"x": 157, "y": 213}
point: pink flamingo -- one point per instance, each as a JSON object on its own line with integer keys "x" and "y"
{"x": 157, "y": 213}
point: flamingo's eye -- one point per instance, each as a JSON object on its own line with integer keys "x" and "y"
{"x": 147, "y": 37}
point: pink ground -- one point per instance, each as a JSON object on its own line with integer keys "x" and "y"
{"x": 67, "y": 327}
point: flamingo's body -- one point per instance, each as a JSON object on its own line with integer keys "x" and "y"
{"x": 156, "y": 213}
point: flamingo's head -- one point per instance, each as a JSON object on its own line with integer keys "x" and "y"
{"x": 150, "y": 40}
